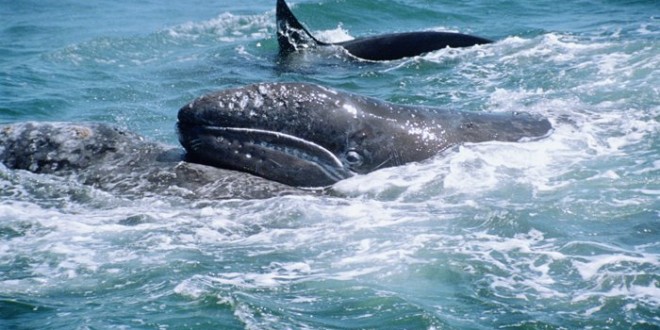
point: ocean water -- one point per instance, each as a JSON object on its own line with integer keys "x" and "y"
{"x": 561, "y": 233}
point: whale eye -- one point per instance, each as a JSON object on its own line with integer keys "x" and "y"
{"x": 354, "y": 158}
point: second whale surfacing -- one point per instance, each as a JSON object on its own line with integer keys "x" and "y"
{"x": 292, "y": 36}
{"x": 115, "y": 160}
{"x": 307, "y": 135}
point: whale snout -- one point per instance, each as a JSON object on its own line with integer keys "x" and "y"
{"x": 272, "y": 155}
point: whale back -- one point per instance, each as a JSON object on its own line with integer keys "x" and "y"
{"x": 400, "y": 45}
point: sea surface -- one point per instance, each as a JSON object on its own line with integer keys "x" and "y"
{"x": 560, "y": 233}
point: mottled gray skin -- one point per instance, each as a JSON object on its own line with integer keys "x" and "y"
{"x": 118, "y": 161}
{"x": 292, "y": 36}
{"x": 308, "y": 135}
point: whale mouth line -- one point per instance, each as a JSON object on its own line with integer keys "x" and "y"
{"x": 294, "y": 142}
{"x": 235, "y": 147}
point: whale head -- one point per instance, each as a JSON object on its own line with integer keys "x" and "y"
{"x": 299, "y": 134}
{"x": 64, "y": 147}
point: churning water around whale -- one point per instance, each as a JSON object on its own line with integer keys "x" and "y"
{"x": 560, "y": 233}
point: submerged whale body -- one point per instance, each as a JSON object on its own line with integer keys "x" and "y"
{"x": 292, "y": 36}
{"x": 118, "y": 161}
{"x": 309, "y": 136}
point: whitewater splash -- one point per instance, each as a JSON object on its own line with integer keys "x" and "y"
{"x": 560, "y": 232}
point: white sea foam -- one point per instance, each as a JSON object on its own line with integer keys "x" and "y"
{"x": 386, "y": 179}
{"x": 276, "y": 274}
{"x": 403, "y": 229}
{"x": 554, "y": 47}
{"x": 338, "y": 34}
{"x": 190, "y": 288}
{"x": 646, "y": 294}
{"x": 227, "y": 27}
{"x": 590, "y": 267}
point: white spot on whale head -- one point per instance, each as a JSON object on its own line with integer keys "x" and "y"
{"x": 351, "y": 109}
{"x": 425, "y": 133}
{"x": 263, "y": 89}
{"x": 81, "y": 132}
{"x": 244, "y": 101}
{"x": 258, "y": 101}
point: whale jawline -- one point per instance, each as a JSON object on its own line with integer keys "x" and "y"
{"x": 275, "y": 155}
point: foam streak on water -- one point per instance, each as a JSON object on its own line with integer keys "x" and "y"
{"x": 559, "y": 233}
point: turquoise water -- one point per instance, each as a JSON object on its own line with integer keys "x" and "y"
{"x": 561, "y": 233}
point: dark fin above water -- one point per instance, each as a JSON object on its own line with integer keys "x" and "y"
{"x": 291, "y": 35}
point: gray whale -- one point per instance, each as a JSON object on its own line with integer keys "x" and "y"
{"x": 292, "y": 36}
{"x": 307, "y": 135}
{"x": 115, "y": 160}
